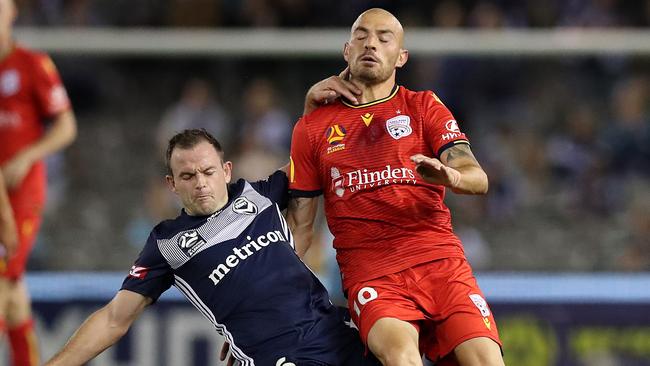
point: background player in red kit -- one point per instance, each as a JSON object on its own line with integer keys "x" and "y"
{"x": 31, "y": 93}
{"x": 382, "y": 161}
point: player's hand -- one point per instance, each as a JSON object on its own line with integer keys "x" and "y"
{"x": 328, "y": 90}
{"x": 15, "y": 170}
{"x": 224, "y": 353}
{"x": 8, "y": 235}
{"x": 434, "y": 171}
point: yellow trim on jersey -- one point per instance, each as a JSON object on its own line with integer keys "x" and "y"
{"x": 291, "y": 170}
{"x": 392, "y": 94}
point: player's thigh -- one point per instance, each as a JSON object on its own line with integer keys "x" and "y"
{"x": 385, "y": 297}
{"x": 394, "y": 341}
{"x": 481, "y": 351}
{"x": 461, "y": 312}
{"x": 382, "y": 307}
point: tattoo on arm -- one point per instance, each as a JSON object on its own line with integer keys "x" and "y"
{"x": 459, "y": 153}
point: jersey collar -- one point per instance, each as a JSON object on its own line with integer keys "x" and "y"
{"x": 392, "y": 94}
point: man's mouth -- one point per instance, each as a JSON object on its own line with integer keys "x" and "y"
{"x": 369, "y": 59}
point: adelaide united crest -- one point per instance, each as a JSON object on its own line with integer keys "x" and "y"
{"x": 399, "y": 126}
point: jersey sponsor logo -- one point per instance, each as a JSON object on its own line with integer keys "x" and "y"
{"x": 481, "y": 304}
{"x": 454, "y": 130}
{"x": 243, "y": 206}
{"x": 334, "y": 137}
{"x": 138, "y": 272}
{"x": 361, "y": 179}
{"x": 9, "y": 83}
{"x": 242, "y": 253}
{"x": 190, "y": 242}
{"x": 367, "y": 118}
{"x": 337, "y": 181}
{"x": 399, "y": 127}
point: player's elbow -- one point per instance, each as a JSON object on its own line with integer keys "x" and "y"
{"x": 484, "y": 184}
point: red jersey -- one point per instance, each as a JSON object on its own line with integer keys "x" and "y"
{"x": 30, "y": 92}
{"x": 384, "y": 216}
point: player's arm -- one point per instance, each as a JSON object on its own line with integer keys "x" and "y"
{"x": 102, "y": 329}
{"x": 328, "y": 90}
{"x": 301, "y": 214}
{"x": 60, "y": 134}
{"x": 8, "y": 232}
{"x": 457, "y": 169}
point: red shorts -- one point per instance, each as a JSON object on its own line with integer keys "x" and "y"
{"x": 440, "y": 298}
{"x": 28, "y": 226}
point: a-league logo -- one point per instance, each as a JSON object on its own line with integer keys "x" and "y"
{"x": 190, "y": 242}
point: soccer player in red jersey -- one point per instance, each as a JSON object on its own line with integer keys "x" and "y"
{"x": 383, "y": 159}
{"x": 31, "y": 93}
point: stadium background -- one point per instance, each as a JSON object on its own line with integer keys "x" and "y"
{"x": 554, "y": 96}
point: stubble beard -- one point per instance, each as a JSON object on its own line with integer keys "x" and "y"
{"x": 371, "y": 76}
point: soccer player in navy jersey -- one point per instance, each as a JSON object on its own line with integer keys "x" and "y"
{"x": 230, "y": 252}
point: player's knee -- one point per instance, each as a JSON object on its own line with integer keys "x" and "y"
{"x": 479, "y": 352}
{"x": 399, "y": 356}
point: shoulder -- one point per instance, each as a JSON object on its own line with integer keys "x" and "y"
{"x": 35, "y": 60}
{"x": 323, "y": 114}
{"x": 166, "y": 229}
{"x": 29, "y": 54}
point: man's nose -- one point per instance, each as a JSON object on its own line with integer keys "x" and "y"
{"x": 371, "y": 42}
{"x": 200, "y": 180}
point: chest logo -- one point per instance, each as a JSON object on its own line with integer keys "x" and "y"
{"x": 243, "y": 206}
{"x": 399, "y": 127}
{"x": 367, "y": 118}
{"x": 9, "y": 83}
{"x": 334, "y": 136}
{"x": 190, "y": 242}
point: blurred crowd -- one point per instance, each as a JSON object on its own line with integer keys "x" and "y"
{"x": 565, "y": 141}
{"x": 313, "y": 13}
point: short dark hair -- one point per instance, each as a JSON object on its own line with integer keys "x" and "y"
{"x": 187, "y": 139}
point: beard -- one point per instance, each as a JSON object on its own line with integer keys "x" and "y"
{"x": 371, "y": 75}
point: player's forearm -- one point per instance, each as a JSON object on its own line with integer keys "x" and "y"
{"x": 61, "y": 134}
{"x": 96, "y": 334}
{"x": 473, "y": 180}
{"x": 301, "y": 213}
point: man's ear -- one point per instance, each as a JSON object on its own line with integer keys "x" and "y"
{"x": 402, "y": 58}
{"x": 170, "y": 183}
{"x": 227, "y": 168}
{"x": 346, "y": 51}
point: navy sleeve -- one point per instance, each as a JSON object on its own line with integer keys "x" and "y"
{"x": 151, "y": 275}
{"x": 275, "y": 187}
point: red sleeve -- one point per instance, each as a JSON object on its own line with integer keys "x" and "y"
{"x": 303, "y": 173}
{"x": 441, "y": 130}
{"x": 50, "y": 94}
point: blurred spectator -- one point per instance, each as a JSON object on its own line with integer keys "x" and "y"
{"x": 197, "y": 108}
{"x": 265, "y": 132}
{"x": 626, "y": 139}
{"x": 636, "y": 249}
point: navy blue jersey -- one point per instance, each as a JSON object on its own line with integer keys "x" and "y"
{"x": 238, "y": 267}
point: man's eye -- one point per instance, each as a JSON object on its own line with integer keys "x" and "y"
{"x": 209, "y": 172}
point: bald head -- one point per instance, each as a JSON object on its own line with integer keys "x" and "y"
{"x": 383, "y": 19}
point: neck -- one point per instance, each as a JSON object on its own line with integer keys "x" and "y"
{"x": 6, "y": 45}
{"x": 372, "y": 92}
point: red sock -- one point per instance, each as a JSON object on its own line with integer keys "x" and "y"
{"x": 24, "y": 348}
